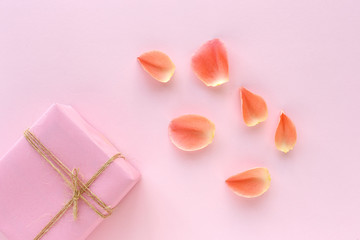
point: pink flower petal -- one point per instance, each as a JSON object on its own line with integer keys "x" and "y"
{"x": 158, "y": 65}
{"x": 253, "y": 107}
{"x": 191, "y": 132}
{"x": 285, "y": 136}
{"x": 251, "y": 183}
{"x": 210, "y": 63}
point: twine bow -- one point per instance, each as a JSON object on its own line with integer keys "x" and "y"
{"x": 72, "y": 179}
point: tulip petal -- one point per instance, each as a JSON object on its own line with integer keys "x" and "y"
{"x": 191, "y": 132}
{"x": 158, "y": 65}
{"x": 210, "y": 63}
{"x": 285, "y": 136}
{"x": 251, "y": 183}
{"x": 254, "y": 108}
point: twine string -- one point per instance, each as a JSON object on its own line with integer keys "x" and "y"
{"x": 71, "y": 179}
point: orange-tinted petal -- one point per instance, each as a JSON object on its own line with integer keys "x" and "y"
{"x": 251, "y": 183}
{"x": 254, "y": 108}
{"x": 191, "y": 132}
{"x": 158, "y": 65}
{"x": 285, "y": 137}
{"x": 210, "y": 63}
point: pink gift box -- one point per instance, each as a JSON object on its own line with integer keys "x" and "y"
{"x": 32, "y": 192}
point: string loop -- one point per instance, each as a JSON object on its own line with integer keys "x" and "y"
{"x": 71, "y": 178}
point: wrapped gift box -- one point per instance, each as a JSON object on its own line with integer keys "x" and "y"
{"x": 32, "y": 192}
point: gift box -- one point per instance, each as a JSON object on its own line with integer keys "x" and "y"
{"x": 61, "y": 179}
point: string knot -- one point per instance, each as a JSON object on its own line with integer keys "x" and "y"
{"x": 71, "y": 178}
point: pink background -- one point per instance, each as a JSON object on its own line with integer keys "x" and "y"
{"x": 301, "y": 56}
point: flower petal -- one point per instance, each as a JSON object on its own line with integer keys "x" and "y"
{"x": 191, "y": 132}
{"x": 253, "y": 107}
{"x": 210, "y": 63}
{"x": 158, "y": 65}
{"x": 251, "y": 183}
{"x": 285, "y": 136}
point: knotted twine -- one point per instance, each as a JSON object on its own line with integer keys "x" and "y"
{"x": 72, "y": 180}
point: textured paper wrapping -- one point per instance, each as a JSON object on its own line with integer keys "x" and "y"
{"x": 32, "y": 192}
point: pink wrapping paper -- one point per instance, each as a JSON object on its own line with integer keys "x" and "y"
{"x": 32, "y": 192}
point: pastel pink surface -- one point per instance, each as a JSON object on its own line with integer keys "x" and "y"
{"x": 32, "y": 192}
{"x": 300, "y": 56}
